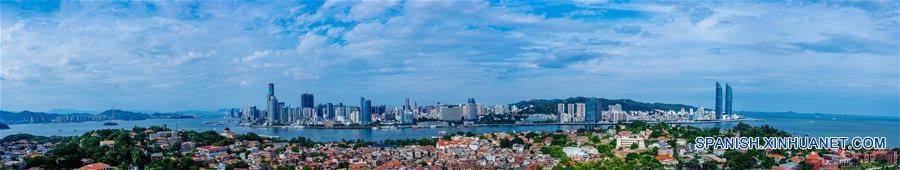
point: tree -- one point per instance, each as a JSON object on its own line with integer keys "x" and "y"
{"x": 632, "y": 156}
{"x": 768, "y": 162}
{"x": 738, "y": 160}
{"x": 186, "y": 162}
{"x": 554, "y": 151}
{"x": 518, "y": 141}
{"x": 470, "y": 134}
{"x": 40, "y": 161}
{"x": 710, "y": 165}
{"x": 505, "y": 143}
{"x": 286, "y": 167}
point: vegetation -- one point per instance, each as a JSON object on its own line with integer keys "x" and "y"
{"x": 29, "y": 137}
{"x": 500, "y": 119}
{"x": 129, "y": 149}
{"x": 411, "y": 142}
{"x": 40, "y": 117}
{"x": 542, "y": 106}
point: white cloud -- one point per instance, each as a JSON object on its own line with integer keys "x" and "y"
{"x": 425, "y": 47}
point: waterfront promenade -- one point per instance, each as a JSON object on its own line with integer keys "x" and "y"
{"x": 506, "y": 124}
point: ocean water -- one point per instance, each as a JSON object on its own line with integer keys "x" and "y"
{"x": 797, "y": 124}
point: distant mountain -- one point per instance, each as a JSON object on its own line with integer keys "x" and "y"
{"x": 545, "y": 106}
{"x": 194, "y": 113}
{"x": 67, "y": 111}
{"x": 25, "y": 117}
{"x": 3, "y": 126}
{"x": 42, "y": 117}
{"x": 123, "y": 115}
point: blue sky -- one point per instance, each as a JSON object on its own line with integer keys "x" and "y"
{"x": 830, "y": 57}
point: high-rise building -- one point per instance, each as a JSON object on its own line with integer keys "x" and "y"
{"x": 561, "y": 108}
{"x": 341, "y": 111}
{"x": 330, "y": 111}
{"x": 593, "y": 112}
{"x": 253, "y": 113}
{"x": 616, "y": 114}
{"x": 450, "y": 113}
{"x": 406, "y": 104}
{"x": 306, "y": 100}
{"x": 472, "y": 113}
{"x": 282, "y": 114}
{"x": 728, "y": 99}
{"x": 272, "y": 106}
{"x": 354, "y": 114}
{"x": 271, "y": 89}
{"x": 718, "y": 101}
{"x": 365, "y": 111}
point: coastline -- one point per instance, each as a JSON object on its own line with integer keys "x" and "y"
{"x": 495, "y": 125}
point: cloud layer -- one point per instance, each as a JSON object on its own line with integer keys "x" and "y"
{"x": 810, "y": 57}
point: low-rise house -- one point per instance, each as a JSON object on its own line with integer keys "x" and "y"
{"x": 212, "y": 151}
{"x": 109, "y": 143}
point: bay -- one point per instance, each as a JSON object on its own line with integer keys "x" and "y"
{"x": 798, "y": 124}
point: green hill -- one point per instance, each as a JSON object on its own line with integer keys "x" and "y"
{"x": 547, "y": 106}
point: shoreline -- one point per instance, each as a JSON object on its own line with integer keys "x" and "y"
{"x": 495, "y": 125}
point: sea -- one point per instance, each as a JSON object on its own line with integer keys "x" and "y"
{"x": 799, "y": 124}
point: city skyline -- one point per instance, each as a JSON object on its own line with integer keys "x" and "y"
{"x": 205, "y": 56}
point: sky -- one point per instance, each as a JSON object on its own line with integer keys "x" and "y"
{"x": 827, "y": 57}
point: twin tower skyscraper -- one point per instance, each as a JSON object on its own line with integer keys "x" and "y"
{"x": 719, "y": 111}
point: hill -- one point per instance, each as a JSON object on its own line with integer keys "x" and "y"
{"x": 25, "y": 117}
{"x": 123, "y": 115}
{"x": 546, "y": 106}
{"x": 3, "y": 126}
{"x": 42, "y": 117}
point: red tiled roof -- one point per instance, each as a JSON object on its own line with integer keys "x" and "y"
{"x": 663, "y": 157}
{"x": 95, "y": 166}
{"x": 211, "y": 147}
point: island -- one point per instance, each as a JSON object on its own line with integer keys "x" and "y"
{"x": 25, "y": 117}
{"x": 3, "y": 126}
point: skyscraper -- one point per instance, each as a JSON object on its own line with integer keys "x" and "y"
{"x": 271, "y": 89}
{"x": 415, "y": 107}
{"x": 306, "y": 100}
{"x": 254, "y": 113}
{"x": 728, "y": 99}
{"x": 406, "y": 105}
{"x": 282, "y": 114}
{"x": 561, "y": 108}
{"x": 272, "y": 110}
{"x": 472, "y": 113}
{"x": 594, "y": 111}
{"x": 365, "y": 111}
{"x": 330, "y": 111}
{"x": 718, "y": 101}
